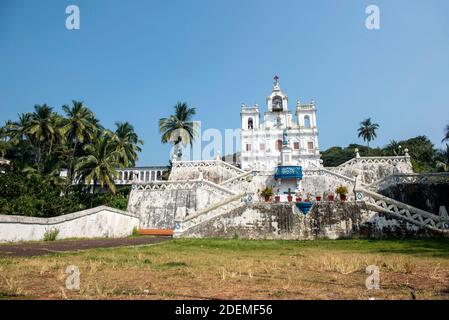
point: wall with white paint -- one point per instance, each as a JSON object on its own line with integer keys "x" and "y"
{"x": 92, "y": 223}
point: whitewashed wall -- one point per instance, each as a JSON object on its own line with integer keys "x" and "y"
{"x": 92, "y": 223}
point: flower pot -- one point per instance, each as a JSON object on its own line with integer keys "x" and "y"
{"x": 331, "y": 198}
{"x": 318, "y": 198}
{"x": 267, "y": 198}
{"x": 277, "y": 198}
{"x": 342, "y": 197}
{"x": 298, "y": 199}
{"x": 289, "y": 198}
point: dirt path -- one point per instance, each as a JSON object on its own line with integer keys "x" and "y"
{"x": 43, "y": 248}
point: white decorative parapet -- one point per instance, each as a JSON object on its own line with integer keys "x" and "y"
{"x": 184, "y": 185}
{"x": 206, "y": 164}
{"x": 139, "y": 174}
{"x": 357, "y": 161}
{"x": 380, "y": 203}
{"x": 243, "y": 178}
{"x": 92, "y": 223}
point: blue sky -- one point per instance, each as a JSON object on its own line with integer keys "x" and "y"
{"x": 133, "y": 60}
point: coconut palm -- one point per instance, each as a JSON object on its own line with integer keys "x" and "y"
{"x": 367, "y": 130}
{"x": 127, "y": 143}
{"x": 100, "y": 164}
{"x": 179, "y": 127}
{"x": 17, "y": 131}
{"x": 446, "y": 136}
{"x": 42, "y": 129}
{"x": 394, "y": 147}
{"x": 443, "y": 164}
{"x": 80, "y": 127}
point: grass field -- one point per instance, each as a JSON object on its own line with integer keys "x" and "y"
{"x": 236, "y": 269}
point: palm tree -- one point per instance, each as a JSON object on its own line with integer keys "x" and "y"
{"x": 17, "y": 131}
{"x": 100, "y": 164}
{"x": 126, "y": 143}
{"x": 4, "y": 145}
{"x": 446, "y": 136}
{"x": 42, "y": 129}
{"x": 443, "y": 164}
{"x": 80, "y": 127}
{"x": 395, "y": 148}
{"x": 179, "y": 127}
{"x": 367, "y": 130}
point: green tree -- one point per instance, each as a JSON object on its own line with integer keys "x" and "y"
{"x": 394, "y": 148}
{"x": 367, "y": 130}
{"x": 80, "y": 127}
{"x": 179, "y": 127}
{"x": 100, "y": 164}
{"x": 442, "y": 162}
{"x": 126, "y": 143}
{"x": 446, "y": 135}
{"x": 42, "y": 129}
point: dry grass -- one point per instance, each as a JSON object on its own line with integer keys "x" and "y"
{"x": 238, "y": 269}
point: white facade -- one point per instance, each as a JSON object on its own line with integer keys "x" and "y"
{"x": 280, "y": 138}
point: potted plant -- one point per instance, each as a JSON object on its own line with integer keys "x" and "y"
{"x": 330, "y": 197}
{"x": 318, "y": 197}
{"x": 267, "y": 193}
{"x": 298, "y": 196}
{"x": 277, "y": 197}
{"x": 342, "y": 191}
{"x": 308, "y": 197}
{"x": 289, "y": 196}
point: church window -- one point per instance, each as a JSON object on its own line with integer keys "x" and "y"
{"x": 262, "y": 147}
{"x": 279, "y": 144}
{"x": 296, "y": 145}
{"x": 248, "y": 147}
{"x": 310, "y": 145}
{"x": 250, "y": 123}
{"x": 277, "y": 103}
{"x": 307, "y": 122}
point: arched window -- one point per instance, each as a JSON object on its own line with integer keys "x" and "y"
{"x": 250, "y": 123}
{"x": 279, "y": 144}
{"x": 277, "y": 103}
{"x": 307, "y": 122}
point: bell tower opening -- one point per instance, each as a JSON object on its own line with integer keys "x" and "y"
{"x": 277, "y": 103}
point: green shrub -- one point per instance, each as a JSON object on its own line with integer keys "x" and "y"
{"x": 341, "y": 190}
{"x": 267, "y": 192}
{"x": 51, "y": 234}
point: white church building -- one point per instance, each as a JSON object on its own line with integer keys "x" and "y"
{"x": 277, "y": 138}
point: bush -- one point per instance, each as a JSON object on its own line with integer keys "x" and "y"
{"x": 20, "y": 195}
{"x": 267, "y": 192}
{"x": 51, "y": 234}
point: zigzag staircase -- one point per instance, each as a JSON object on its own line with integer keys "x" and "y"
{"x": 363, "y": 192}
{"x": 380, "y": 203}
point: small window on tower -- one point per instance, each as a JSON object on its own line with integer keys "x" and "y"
{"x": 262, "y": 147}
{"x": 248, "y": 147}
{"x": 250, "y": 123}
{"x": 310, "y": 145}
{"x": 307, "y": 122}
{"x": 296, "y": 145}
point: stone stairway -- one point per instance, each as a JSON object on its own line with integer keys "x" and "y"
{"x": 182, "y": 227}
{"x": 380, "y": 203}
